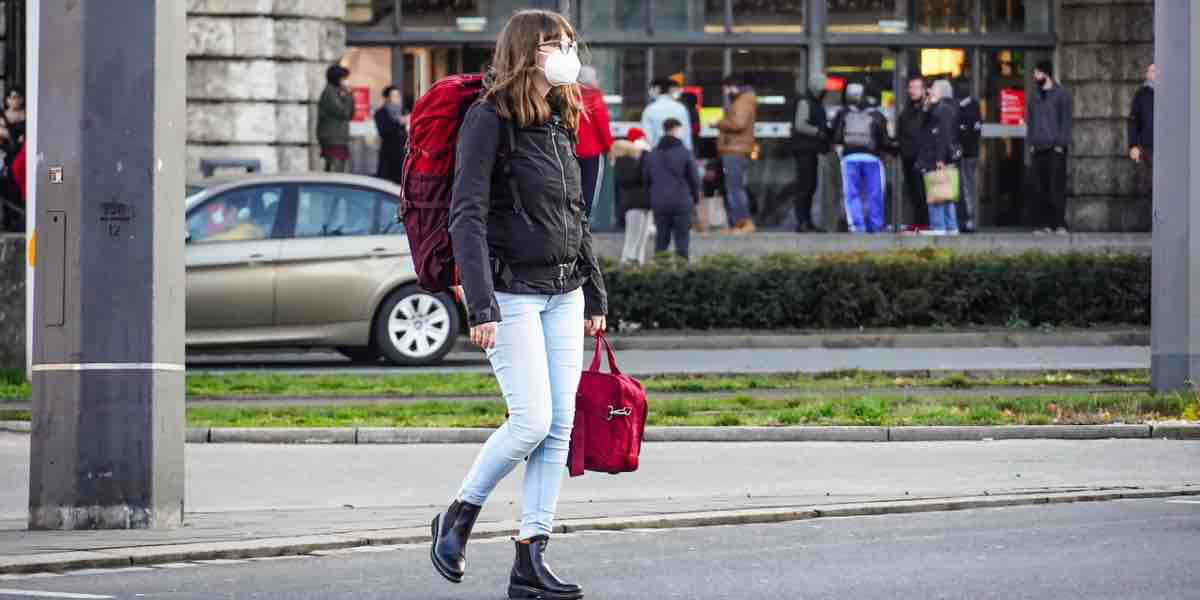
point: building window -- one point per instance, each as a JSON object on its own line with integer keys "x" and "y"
{"x": 867, "y": 16}
{"x": 945, "y": 16}
{"x": 684, "y": 16}
{"x": 623, "y": 79}
{"x": 769, "y": 16}
{"x": 465, "y": 15}
{"x": 1017, "y": 16}
{"x": 612, "y": 15}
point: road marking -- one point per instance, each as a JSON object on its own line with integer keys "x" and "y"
{"x": 1183, "y": 501}
{"x": 36, "y": 594}
{"x": 107, "y": 367}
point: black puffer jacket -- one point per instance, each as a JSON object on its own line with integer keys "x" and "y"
{"x": 543, "y": 246}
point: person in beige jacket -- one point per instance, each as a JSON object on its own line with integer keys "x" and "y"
{"x": 735, "y": 144}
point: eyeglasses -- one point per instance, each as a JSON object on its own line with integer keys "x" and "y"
{"x": 565, "y": 45}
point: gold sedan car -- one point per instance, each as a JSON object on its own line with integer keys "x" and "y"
{"x": 310, "y": 261}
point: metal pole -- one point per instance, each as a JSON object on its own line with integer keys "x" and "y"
{"x": 106, "y": 451}
{"x": 32, "y": 169}
{"x": 1175, "y": 333}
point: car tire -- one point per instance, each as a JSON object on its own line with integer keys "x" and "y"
{"x": 414, "y": 327}
{"x": 359, "y": 354}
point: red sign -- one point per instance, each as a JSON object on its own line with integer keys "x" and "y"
{"x": 362, "y": 104}
{"x": 1012, "y": 107}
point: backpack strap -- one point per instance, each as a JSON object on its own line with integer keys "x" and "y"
{"x": 510, "y": 129}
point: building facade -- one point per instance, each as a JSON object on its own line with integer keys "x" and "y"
{"x": 987, "y": 48}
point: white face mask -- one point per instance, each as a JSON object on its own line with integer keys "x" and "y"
{"x": 562, "y": 68}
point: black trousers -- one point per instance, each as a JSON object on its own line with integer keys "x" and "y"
{"x": 590, "y": 171}
{"x": 806, "y": 186}
{"x": 914, "y": 191}
{"x": 673, "y": 225}
{"x": 1051, "y": 170}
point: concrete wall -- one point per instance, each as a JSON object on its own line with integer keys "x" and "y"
{"x": 255, "y": 71}
{"x": 1105, "y": 46}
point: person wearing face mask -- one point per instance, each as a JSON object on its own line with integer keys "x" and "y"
{"x": 810, "y": 139}
{"x": 666, "y": 105}
{"x": 735, "y": 144}
{"x": 533, "y": 286}
{"x": 1049, "y": 124}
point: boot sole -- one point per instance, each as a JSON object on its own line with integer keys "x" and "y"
{"x": 523, "y": 592}
{"x": 433, "y": 555}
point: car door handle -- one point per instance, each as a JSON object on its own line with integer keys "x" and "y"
{"x": 255, "y": 258}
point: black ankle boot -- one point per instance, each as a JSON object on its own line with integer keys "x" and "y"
{"x": 451, "y": 530}
{"x": 531, "y": 578}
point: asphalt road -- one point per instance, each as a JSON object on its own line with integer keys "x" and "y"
{"x": 1125, "y": 550}
{"x": 747, "y": 360}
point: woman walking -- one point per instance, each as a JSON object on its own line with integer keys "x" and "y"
{"x": 632, "y": 196}
{"x": 533, "y": 285}
{"x": 334, "y": 111}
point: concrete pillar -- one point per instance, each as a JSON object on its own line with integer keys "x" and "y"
{"x": 108, "y": 421}
{"x": 1175, "y": 338}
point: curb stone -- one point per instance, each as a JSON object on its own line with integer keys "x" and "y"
{"x": 867, "y": 339}
{"x": 16, "y": 426}
{"x": 300, "y": 545}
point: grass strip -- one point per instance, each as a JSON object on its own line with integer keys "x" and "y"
{"x": 850, "y": 409}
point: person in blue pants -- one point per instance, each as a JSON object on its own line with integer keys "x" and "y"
{"x": 860, "y": 134}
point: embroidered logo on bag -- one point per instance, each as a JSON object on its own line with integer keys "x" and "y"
{"x": 613, "y": 412}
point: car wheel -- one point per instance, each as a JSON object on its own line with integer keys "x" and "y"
{"x": 415, "y": 327}
{"x": 359, "y": 354}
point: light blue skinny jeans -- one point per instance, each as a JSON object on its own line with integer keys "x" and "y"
{"x": 538, "y": 359}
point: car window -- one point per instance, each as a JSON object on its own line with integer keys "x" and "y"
{"x": 239, "y": 215}
{"x": 387, "y": 224}
{"x": 335, "y": 210}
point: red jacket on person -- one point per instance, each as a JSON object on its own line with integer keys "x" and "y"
{"x": 18, "y": 171}
{"x": 595, "y": 136}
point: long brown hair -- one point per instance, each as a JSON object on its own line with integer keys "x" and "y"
{"x": 510, "y": 79}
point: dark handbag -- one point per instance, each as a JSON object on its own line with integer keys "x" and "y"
{"x": 610, "y": 419}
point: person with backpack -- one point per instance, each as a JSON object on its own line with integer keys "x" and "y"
{"x": 674, "y": 184}
{"x": 632, "y": 196}
{"x": 861, "y": 134}
{"x": 940, "y": 152}
{"x": 522, "y": 244}
{"x": 810, "y": 139}
{"x": 970, "y": 130}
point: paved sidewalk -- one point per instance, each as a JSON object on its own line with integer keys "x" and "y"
{"x": 245, "y": 496}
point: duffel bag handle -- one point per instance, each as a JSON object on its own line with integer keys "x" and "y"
{"x": 602, "y": 340}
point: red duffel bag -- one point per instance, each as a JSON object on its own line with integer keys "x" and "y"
{"x": 610, "y": 419}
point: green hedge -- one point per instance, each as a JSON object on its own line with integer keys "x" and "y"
{"x": 922, "y": 288}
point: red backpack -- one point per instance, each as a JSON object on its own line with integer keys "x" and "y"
{"x": 427, "y": 182}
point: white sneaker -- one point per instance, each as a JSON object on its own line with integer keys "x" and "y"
{"x": 932, "y": 232}
{"x": 1062, "y": 231}
{"x": 952, "y": 232}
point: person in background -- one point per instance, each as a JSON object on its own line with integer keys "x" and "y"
{"x": 632, "y": 195}
{"x": 735, "y": 144}
{"x": 12, "y": 197}
{"x": 14, "y": 108}
{"x": 1049, "y": 124}
{"x": 861, "y": 135}
{"x": 670, "y": 174}
{"x": 810, "y": 139}
{"x": 939, "y": 150}
{"x": 1141, "y": 130}
{"x": 970, "y": 129}
{"x": 595, "y": 137}
{"x": 666, "y": 105}
{"x": 912, "y": 123}
{"x": 334, "y": 111}
{"x": 392, "y": 124}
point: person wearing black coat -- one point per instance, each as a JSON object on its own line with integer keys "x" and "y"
{"x": 1049, "y": 126}
{"x": 670, "y": 174}
{"x": 1141, "y": 130}
{"x": 939, "y": 149}
{"x": 393, "y": 134}
{"x": 970, "y": 130}
{"x": 911, "y": 123}
{"x": 810, "y": 139}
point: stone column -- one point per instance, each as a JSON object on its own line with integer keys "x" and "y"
{"x": 108, "y": 423}
{"x": 1105, "y": 49}
{"x": 255, "y": 71}
{"x": 1175, "y": 337}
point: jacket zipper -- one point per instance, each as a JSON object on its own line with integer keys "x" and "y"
{"x": 562, "y": 172}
